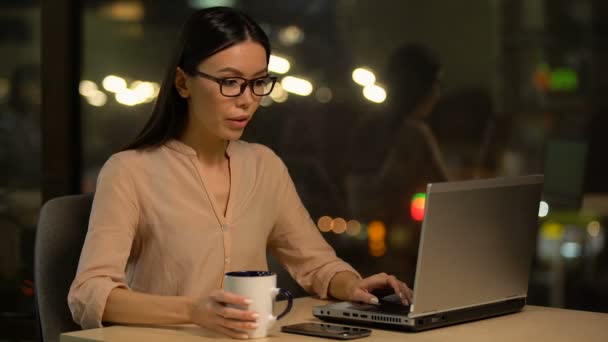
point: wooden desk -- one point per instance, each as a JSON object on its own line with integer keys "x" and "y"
{"x": 534, "y": 323}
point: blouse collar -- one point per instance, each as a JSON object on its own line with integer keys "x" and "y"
{"x": 182, "y": 148}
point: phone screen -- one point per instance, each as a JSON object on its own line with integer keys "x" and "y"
{"x": 326, "y": 330}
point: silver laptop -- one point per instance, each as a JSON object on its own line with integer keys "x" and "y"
{"x": 476, "y": 248}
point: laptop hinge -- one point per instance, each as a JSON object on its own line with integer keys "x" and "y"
{"x": 429, "y": 312}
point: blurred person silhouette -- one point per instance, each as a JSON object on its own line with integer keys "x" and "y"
{"x": 398, "y": 152}
{"x": 188, "y": 200}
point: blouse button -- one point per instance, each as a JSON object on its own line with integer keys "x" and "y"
{"x": 225, "y": 227}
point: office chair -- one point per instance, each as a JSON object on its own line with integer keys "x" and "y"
{"x": 62, "y": 228}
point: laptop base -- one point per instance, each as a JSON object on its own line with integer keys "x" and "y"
{"x": 424, "y": 322}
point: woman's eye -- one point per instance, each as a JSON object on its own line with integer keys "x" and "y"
{"x": 231, "y": 82}
{"x": 260, "y": 82}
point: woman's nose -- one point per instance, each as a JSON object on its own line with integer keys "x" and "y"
{"x": 246, "y": 98}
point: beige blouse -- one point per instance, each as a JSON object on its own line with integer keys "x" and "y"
{"x": 154, "y": 228}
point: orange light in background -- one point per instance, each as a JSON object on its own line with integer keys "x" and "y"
{"x": 417, "y": 206}
{"x": 377, "y": 249}
{"x": 124, "y": 10}
{"x": 376, "y": 231}
{"x": 541, "y": 77}
{"x": 324, "y": 223}
{"x": 376, "y": 234}
{"x": 339, "y": 225}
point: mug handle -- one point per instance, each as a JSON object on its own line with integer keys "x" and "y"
{"x": 286, "y": 294}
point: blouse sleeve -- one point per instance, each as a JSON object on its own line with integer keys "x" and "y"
{"x": 112, "y": 226}
{"x": 298, "y": 245}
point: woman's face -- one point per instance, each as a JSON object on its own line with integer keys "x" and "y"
{"x": 209, "y": 111}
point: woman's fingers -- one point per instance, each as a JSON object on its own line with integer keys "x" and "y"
{"x": 383, "y": 280}
{"x": 409, "y": 294}
{"x": 396, "y": 285}
{"x": 234, "y": 313}
{"x": 361, "y": 295}
{"x": 229, "y": 318}
{"x": 236, "y": 325}
{"x": 226, "y": 313}
{"x": 230, "y": 298}
{"x": 406, "y": 293}
{"x": 375, "y": 281}
{"x": 234, "y": 322}
{"x": 230, "y": 305}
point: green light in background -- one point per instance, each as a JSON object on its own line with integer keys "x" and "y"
{"x": 559, "y": 79}
{"x": 563, "y": 79}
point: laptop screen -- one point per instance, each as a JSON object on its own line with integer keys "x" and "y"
{"x": 477, "y": 243}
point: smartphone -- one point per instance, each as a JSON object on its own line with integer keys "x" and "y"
{"x": 326, "y": 330}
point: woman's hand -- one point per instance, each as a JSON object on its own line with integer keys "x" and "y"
{"x": 359, "y": 289}
{"x": 214, "y": 313}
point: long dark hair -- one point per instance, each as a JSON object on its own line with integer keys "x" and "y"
{"x": 412, "y": 72}
{"x": 205, "y": 33}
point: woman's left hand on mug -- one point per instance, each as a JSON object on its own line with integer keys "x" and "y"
{"x": 361, "y": 289}
{"x": 214, "y": 313}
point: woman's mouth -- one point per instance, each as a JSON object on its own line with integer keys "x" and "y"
{"x": 238, "y": 122}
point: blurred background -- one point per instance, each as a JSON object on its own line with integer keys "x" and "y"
{"x": 521, "y": 91}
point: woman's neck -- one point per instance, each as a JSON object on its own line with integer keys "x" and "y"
{"x": 209, "y": 149}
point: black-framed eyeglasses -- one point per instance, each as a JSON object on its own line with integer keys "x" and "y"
{"x": 235, "y": 86}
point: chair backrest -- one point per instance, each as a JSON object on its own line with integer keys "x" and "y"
{"x": 62, "y": 228}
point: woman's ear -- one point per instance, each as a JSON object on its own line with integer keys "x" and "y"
{"x": 181, "y": 83}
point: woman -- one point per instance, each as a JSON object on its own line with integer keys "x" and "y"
{"x": 187, "y": 201}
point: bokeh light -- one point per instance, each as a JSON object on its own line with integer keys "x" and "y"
{"x": 363, "y": 77}
{"x": 278, "y": 64}
{"x": 296, "y": 85}
{"x": 552, "y": 230}
{"x": 114, "y": 84}
{"x": 594, "y": 228}
{"x": 324, "y": 223}
{"x": 338, "y": 225}
{"x": 543, "y": 209}
{"x": 353, "y": 227}
{"x": 417, "y": 206}
{"x": 374, "y": 93}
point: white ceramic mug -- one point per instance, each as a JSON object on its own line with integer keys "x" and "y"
{"x": 261, "y": 288}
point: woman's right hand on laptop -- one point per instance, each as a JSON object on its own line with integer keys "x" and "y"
{"x": 362, "y": 291}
